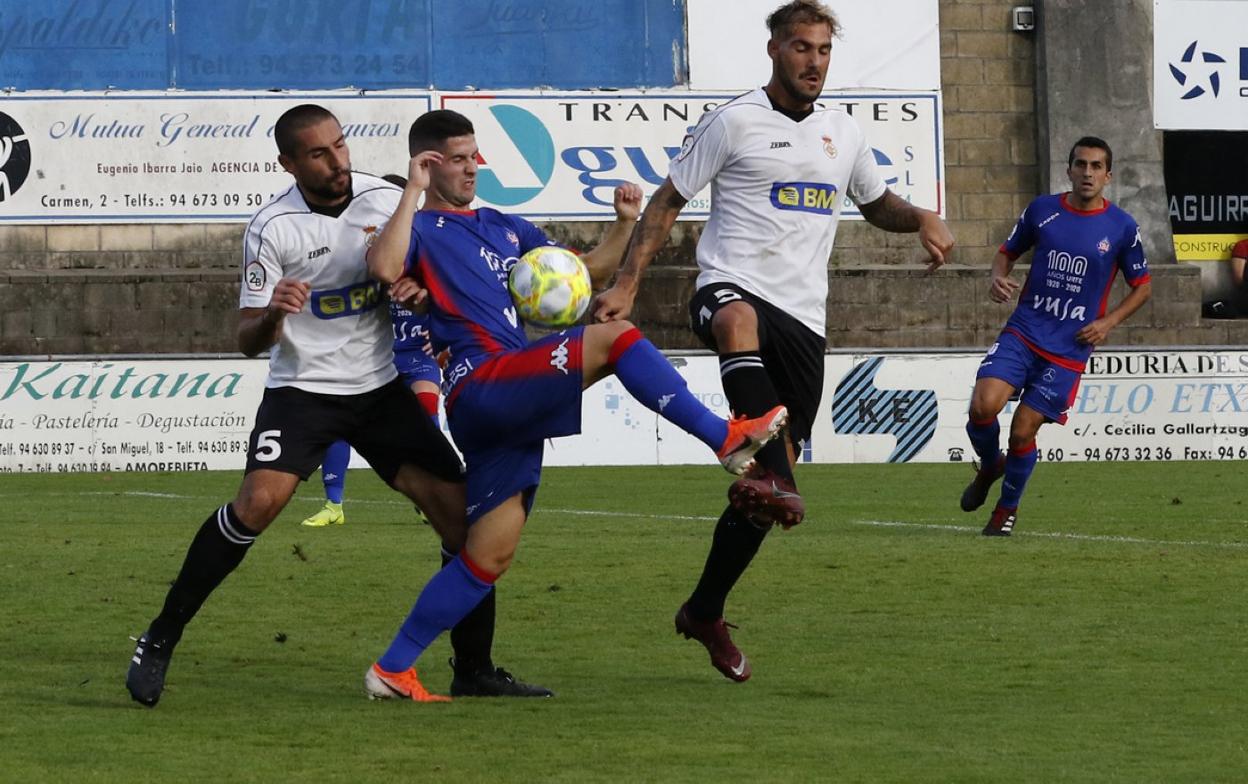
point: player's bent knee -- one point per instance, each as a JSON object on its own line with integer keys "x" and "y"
{"x": 735, "y": 326}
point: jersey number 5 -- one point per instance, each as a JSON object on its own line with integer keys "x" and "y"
{"x": 267, "y": 447}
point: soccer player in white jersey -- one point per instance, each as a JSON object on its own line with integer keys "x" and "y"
{"x": 307, "y": 295}
{"x": 779, "y": 166}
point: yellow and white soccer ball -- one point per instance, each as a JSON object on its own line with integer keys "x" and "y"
{"x": 550, "y": 287}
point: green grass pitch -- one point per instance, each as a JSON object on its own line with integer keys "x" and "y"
{"x": 1107, "y": 641}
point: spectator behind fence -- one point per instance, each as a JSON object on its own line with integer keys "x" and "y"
{"x": 1236, "y": 304}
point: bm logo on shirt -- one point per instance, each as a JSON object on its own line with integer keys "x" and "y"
{"x": 815, "y": 197}
{"x": 347, "y": 301}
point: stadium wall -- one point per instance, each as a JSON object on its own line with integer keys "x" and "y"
{"x": 173, "y": 287}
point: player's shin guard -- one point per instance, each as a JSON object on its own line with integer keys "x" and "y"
{"x": 1019, "y": 463}
{"x": 334, "y": 470}
{"x": 472, "y": 639}
{"x": 649, "y": 377}
{"x": 449, "y": 595}
{"x": 217, "y": 549}
{"x": 749, "y": 390}
{"x": 985, "y": 439}
{"x": 734, "y": 545}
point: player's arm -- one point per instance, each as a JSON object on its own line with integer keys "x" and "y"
{"x": 890, "y": 212}
{"x": 410, "y": 294}
{"x": 1096, "y": 332}
{"x": 604, "y": 259}
{"x": 259, "y": 328}
{"x": 648, "y": 237}
{"x": 1003, "y": 288}
{"x": 388, "y": 254}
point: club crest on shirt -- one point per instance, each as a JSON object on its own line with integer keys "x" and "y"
{"x": 1103, "y": 245}
{"x": 512, "y": 238}
{"x": 828, "y": 147}
{"x": 370, "y": 235}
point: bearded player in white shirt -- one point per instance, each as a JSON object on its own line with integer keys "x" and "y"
{"x": 779, "y": 166}
{"x": 307, "y": 295}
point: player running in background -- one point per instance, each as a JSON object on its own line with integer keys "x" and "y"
{"x": 780, "y": 166}
{"x": 1080, "y": 242}
{"x": 416, "y": 365}
{"x": 306, "y": 293}
{"x": 505, "y": 395}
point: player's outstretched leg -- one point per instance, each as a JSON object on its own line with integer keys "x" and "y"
{"x": 334, "y": 477}
{"x": 620, "y": 347}
{"x": 217, "y": 549}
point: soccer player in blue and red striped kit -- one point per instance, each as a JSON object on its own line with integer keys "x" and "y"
{"x": 504, "y": 395}
{"x": 1080, "y": 241}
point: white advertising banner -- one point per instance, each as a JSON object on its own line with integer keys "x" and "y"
{"x": 882, "y": 46}
{"x": 181, "y": 158}
{"x": 557, "y": 156}
{"x": 136, "y": 157}
{"x": 1200, "y": 65}
{"x": 127, "y": 415}
{"x": 192, "y": 415}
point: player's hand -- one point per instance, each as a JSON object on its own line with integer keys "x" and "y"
{"x": 628, "y": 201}
{"x": 289, "y": 296}
{"x": 1094, "y": 334}
{"x": 614, "y": 304}
{"x": 409, "y": 294}
{"x": 936, "y": 239}
{"x": 418, "y": 168}
{"x": 1003, "y": 288}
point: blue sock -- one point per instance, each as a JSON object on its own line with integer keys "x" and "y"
{"x": 1019, "y": 464}
{"x": 449, "y": 595}
{"x": 985, "y": 440}
{"x": 334, "y": 469}
{"x": 649, "y": 377}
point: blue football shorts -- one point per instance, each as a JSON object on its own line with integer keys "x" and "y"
{"x": 416, "y": 366}
{"x": 1046, "y": 386}
{"x": 500, "y": 414}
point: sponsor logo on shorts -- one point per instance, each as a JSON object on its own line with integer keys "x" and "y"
{"x": 559, "y": 357}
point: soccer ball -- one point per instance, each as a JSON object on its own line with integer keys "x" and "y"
{"x": 550, "y": 287}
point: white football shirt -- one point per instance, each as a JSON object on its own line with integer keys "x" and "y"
{"x": 777, "y": 187}
{"x": 341, "y": 342}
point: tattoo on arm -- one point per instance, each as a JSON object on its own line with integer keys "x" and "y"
{"x": 891, "y": 213}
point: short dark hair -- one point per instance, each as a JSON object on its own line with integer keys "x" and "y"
{"x": 431, "y": 129}
{"x": 295, "y": 120}
{"x": 1097, "y": 143}
{"x": 781, "y": 20}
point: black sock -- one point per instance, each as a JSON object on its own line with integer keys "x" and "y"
{"x": 734, "y": 545}
{"x": 472, "y": 639}
{"x": 749, "y": 390}
{"x": 217, "y": 549}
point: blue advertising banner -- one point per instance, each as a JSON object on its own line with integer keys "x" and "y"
{"x": 335, "y": 44}
{"x": 81, "y": 44}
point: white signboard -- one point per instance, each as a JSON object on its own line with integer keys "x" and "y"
{"x": 173, "y": 157}
{"x": 189, "y": 415}
{"x": 1200, "y": 64}
{"x": 557, "y": 156}
{"x": 893, "y": 45}
{"x": 124, "y": 415}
